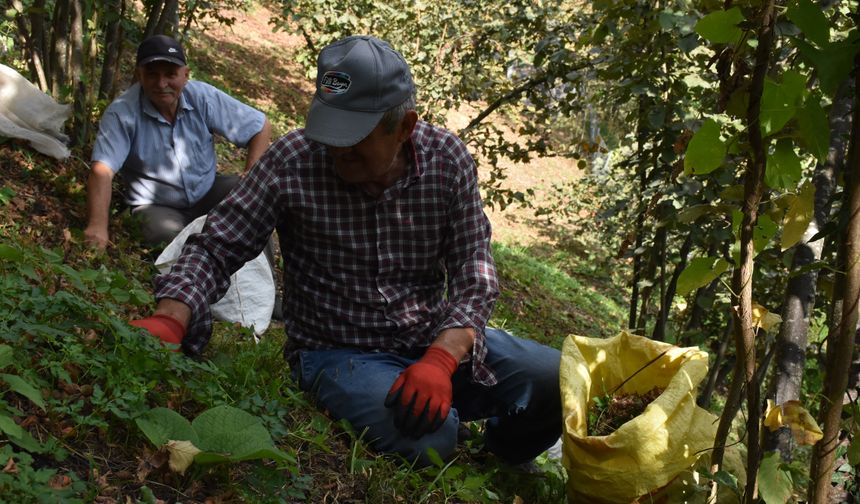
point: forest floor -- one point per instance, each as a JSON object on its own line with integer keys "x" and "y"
{"x": 548, "y": 293}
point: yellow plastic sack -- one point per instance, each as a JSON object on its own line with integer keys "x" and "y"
{"x": 649, "y": 451}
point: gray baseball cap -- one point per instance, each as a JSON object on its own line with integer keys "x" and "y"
{"x": 359, "y": 78}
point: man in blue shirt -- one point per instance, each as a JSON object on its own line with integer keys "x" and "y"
{"x": 160, "y": 134}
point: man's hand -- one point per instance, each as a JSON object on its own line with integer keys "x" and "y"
{"x": 163, "y": 327}
{"x": 421, "y": 396}
{"x": 96, "y": 237}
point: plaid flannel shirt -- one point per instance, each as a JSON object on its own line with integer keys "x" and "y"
{"x": 383, "y": 273}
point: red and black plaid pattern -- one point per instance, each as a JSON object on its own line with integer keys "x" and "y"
{"x": 383, "y": 273}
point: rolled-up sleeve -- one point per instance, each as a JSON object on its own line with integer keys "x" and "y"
{"x": 236, "y": 231}
{"x": 472, "y": 282}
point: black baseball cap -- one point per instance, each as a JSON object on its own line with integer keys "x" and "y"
{"x": 359, "y": 78}
{"x": 160, "y": 48}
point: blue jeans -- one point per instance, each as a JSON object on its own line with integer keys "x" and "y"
{"x": 523, "y": 410}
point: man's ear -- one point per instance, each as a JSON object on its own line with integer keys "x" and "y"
{"x": 407, "y": 125}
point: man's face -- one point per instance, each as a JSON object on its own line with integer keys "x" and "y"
{"x": 162, "y": 83}
{"x": 373, "y": 162}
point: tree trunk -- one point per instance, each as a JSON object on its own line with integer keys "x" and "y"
{"x": 640, "y": 218}
{"x": 168, "y": 22}
{"x": 669, "y": 295}
{"x": 801, "y": 290}
{"x": 155, "y": 7}
{"x": 113, "y": 42}
{"x": 59, "y": 46}
{"x": 840, "y": 342}
{"x": 705, "y": 394}
{"x": 645, "y": 294}
{"x": 659, "y": 332}
{"x": 38, "y": 46}
{"x": 76, "y": 64}
{"x": 743, "y": 277}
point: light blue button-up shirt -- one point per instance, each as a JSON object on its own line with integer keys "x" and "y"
{"x": 171, "y": 164}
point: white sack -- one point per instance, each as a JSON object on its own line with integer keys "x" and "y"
{"x": 251, "y": 296}
{"x": 26, "y": 112}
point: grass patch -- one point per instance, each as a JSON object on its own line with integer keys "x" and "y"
{"x": 542, "y": 299}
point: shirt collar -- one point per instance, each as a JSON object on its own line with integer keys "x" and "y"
{"x": 149, "y": 109}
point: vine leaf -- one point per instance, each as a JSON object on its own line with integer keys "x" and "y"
{"x": 721, "y": 27}
{"x": 814, "y": 128}
{"x": 706, "y": 151}
{"x": 832, "y": 62}
{"x": 700, "y": 272}
{"x": 774, "y": 482}
{"x": 811, "y": 20}
{"x": 782, "y": 170}
{"x": 780, "y": 101}
{"x": 798, "y": 216}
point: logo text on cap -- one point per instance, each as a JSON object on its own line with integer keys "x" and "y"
{"x": 335, "y": 82}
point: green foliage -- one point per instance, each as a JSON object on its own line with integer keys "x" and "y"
{"x": 774, "y": 482}
{"x": 29, "y": 483}
{"x": 542, "y": 301}
{"x": 706, "y": 151}
{"x": 700, "y": 272}
{"x": 515, "y": 60}
{"x": 721, "y": 27}
{"x": 223, "y": 433}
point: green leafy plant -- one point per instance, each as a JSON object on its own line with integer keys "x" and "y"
{"x": 218, "y": 435}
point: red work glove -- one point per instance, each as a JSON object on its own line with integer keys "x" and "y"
{"x": 421, "y": 395}
{"x": 163, "y": 327}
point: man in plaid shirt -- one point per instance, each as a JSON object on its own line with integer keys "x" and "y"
{"x": 389, "y": 280}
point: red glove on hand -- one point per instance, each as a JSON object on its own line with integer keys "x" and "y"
{"x": 421, "y": 395}
{"x": 163, "y": 327}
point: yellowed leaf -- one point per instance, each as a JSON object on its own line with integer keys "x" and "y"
{"x": 803, "y": 427}
{"x": 181, "y": 455}
{"x": 798, "y": 216}
{"x": 764, "y": 319}
{"x": 773, "y": 416}
{"x": 11, "y": 467}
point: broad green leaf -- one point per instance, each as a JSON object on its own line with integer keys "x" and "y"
{"x": 6, "y": 357}
{"x": 814, "y": 128}
{"x": 234, "y": 433}
{"x": 854, "y": 451}
{"x": 19, "y": 385}
{"x": 764, "y": 231}
{"x": 811, "y": 20}
{"x": 783, "y": 166}
{"x": 700, "y": 272}
{"x": 9, "y": 427}
{"x": 721, "y": 27}
{"x": 181, "y": 455}
{"x": 832, "y": 63}
{"x": 733, "y": 193}
{"x": 693, "y": 213}
{"x": 774, "y": 482}
{"x": 706, "y": 151}
{"x": 727, "y": 479}
{"x": 798, "y": 216}
{"x": 10, "y": 254}
{"x": 161, "y": 425}
{"x": 780, "y": 101}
